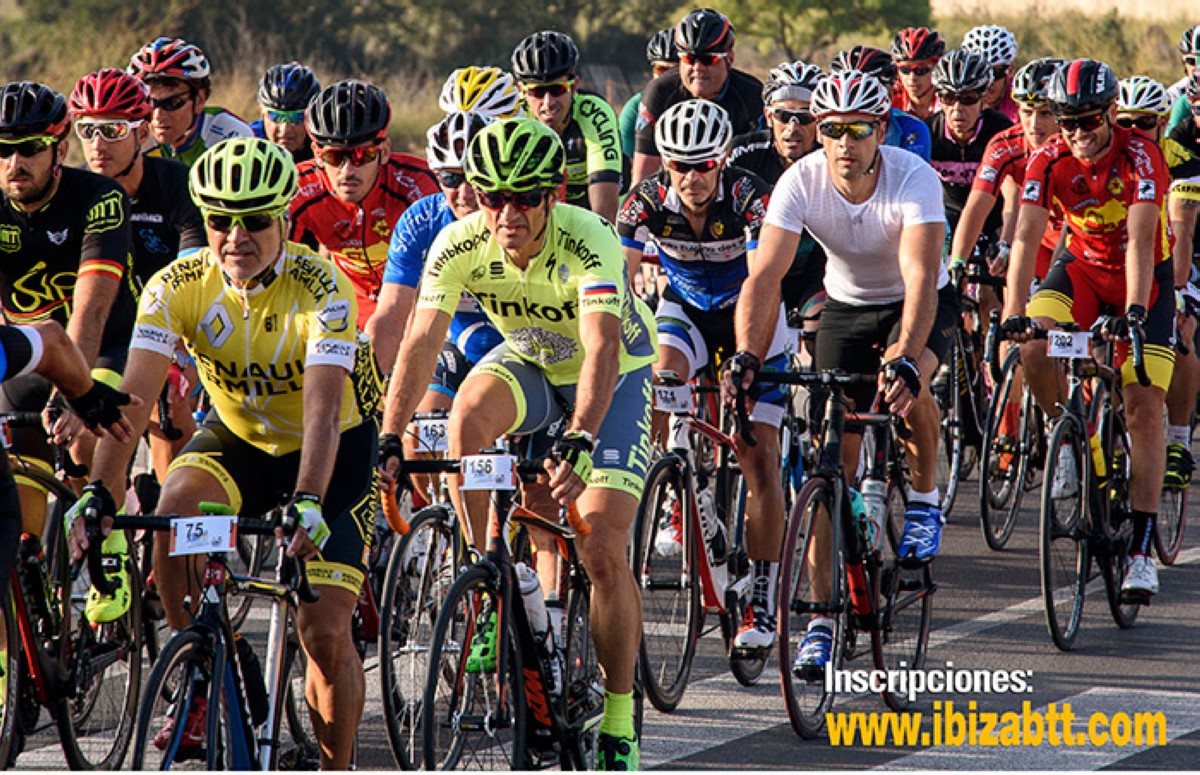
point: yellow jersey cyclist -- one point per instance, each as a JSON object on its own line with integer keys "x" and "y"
{"x": 294, "y": 392}
{"x": 551, "y": 278}
{"x": 545, "y": 64}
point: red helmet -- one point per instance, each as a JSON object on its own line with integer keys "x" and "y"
{"x": 167, "y": 58}
{"x": 111, "y": 91}
{"x": 917, "y": 43}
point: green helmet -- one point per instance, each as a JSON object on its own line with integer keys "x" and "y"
{"x": 519, "y": 154}
{"x": 243, "y": 174}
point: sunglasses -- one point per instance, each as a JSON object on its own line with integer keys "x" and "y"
{"x": 1191, "y": 60}
{"x": 1146, "y": 123}
{"x": 1081, "y": 123}
{"x": 784, "y": 116}
{"x": 255, "y": 222}
{"x": 708, "y": 60}
{"x": 684, "y": 167}
{"x": 172, "y": 103}
{"x": 552, "y": 89}
{"x": 451, "y": 179}
{"x": 858, "y": 130}
{"x": 920, "y": 70}
{"x": 522, "y": 200}
{"x": 286, "y": 116}
{"x": 28, "y": 147}
{"x": 336, "y": 157}
{"x": 960, "y": 98}
{"x": 112, "y": 131}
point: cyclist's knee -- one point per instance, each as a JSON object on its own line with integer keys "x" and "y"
{"x": 325, "y": 629}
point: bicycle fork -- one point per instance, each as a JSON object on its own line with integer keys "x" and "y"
{"x": 275, "y": 678}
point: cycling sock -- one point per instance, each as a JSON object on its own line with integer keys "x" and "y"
{"x": 1179, "y": 434}
{"x": 1143, "y": 528}
{"x": 618, "y": 716}
{"x": 821, "y": 621}
{"x": 765, "y": 574}
{"x": 931, "y": 498}
{"x": 1010, "y": 419}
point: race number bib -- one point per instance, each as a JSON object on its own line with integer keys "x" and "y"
{"x": 201, "y": 535}
{"x": 674, "y": 399}
{"x": 1068, "y": 344}
{"x": 489, "y": 472}
{"x": 431, "y": 434}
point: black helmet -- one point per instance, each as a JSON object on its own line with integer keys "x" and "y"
{"x": 28, "y": 109}
{"x": 348, "y": 113}
{"x": 704, "y": 32}
{"x": 1031, "y": 81}
{"x": 544, "y": 57}
{"x": 661, "y": 47}
{"x": 872, "y": 61}
{"x": 1081, "y": 86}
{"x": 287, "y": 87}
{"x": 962, "y": 69}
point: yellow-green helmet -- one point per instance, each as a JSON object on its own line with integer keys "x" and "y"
{"x": 519, "y": 154}
{"x": 243, "y": 174}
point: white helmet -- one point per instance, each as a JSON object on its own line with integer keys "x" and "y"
{"x": 998, "y": 45}
{"x": 791, "y": 80}
{"x": 488, "y": 91}
{"x": 1140, "y": 94}
{"x": 850, "y": 91}
{"x": 693, "y": 131}
{"x": 447, "y": 140}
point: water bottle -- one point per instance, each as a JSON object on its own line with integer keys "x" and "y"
{"x": 539, "y": 620}
{"x": 860, "y": 601}
{"x": 874, "y": 497}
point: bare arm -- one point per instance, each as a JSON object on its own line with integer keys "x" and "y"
{"x": 1183, "y": 211}
{"x": 414, "y": 366}
{"x": 1031, "y": 225}
{"x": 93, "y": 300}
{"x": 970, "y": 223}
{"x": 600, "y": 334}
{"x": 633, "y": 261}
{"x": 642, "y": 167}
{"x": 322, "y": 408}
{"x": 62, "y": 362}
{"x": 605, "y": 199}
{"x": 386, "y": 327}
{"x": 1012, "y": 205}
{"x": 1140, "y": 260}
{"x": 758, "y": 303}
{"x": 920, "y": 262}
{"x": 144, "y": 376}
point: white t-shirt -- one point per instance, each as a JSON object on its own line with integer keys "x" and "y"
{"x": 862, "y": 242}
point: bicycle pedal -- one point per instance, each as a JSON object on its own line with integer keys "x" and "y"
{"x": 748, "y": 654}
{"x": 1136, "y": 598}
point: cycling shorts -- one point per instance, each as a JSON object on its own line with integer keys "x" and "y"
{"x": 853, "y": 337}
{"x": 622, "y": 453}
{"x": 1077, "y": 292}
{"x": 701, "y": 334}
{"x": 256, "y": 482}
{"x": 451, "y": 369}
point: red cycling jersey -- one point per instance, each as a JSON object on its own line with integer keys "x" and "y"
{"x": 356, "y": 236}
{"x": 1094, "y": 197}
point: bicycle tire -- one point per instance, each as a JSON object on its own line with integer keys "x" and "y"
{"x": 299, "y": 749}
{"x": 420, "y": 571}
{"x": 1064, "y": 554}
{"x": 1117, "y": 538}
{"x": 904, "y": 600}
{"x": 805, "y": 696}
{"x": 582, "y": 698}
{"x": 950, "y": 450}
{"x": 1112, "y": 568}
{"x": 671, "y": 612}
{"x": 1002, "y": 472}
{"x": 473, "y": 720}
{"x": 253, "y": 554}
{"x": 1171, "y": 524}
{"x": 182, "y": 673}
{"x": 10, "y": 681}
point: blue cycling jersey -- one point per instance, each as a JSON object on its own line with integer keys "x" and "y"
{"x": 470, "y": 330}
{"x": 910, "y": 133}
{"x": 256, "y": 126}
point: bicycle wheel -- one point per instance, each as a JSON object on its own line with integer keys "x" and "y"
{"x": 1118, "y": 528}
{"x": 904, "y": 596}
{"x": 801, "y": 587}
{"x": 171, "y": 712}
{"x": 297, "y": 749}
{"x": 253, "y": 554}
{"x": 1064, "y": 551}
{"x": 671, "y": 613}
{"x": 10, "y": 682}
{"x": 473, "y": 720}
{"x": 419, "y": 574}
{"x": 1112, "y": 568}
{"x": 949, "y": 395}
{"x": 1171, "y": 522}
{"x": 1003, "y": 469}
{"x": 583, "y": 684}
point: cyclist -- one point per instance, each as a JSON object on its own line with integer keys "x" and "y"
{"x": 488, "y": 91}
{"x": 545, "y": 64}
{"x": 551, "y": 278}
{"x": 879, "y": 215}
{"x": 1189, "y": 53}
{"x": 110, "y": 108}
{"x": 353, "y": 192}
{"x": 182, "y": 123}
{"x": 704, "y": 39}
{"x": 999, "y": 48}
{"x": 284, "y": 92}
{"x": 294, "y": 392}
{"x": 916, "y": 51}
{"x": 704, "y": 218}
{"x": 903, "y": 130}
{"x": 662, "y": 56}
{"x": 1116, "y": 254}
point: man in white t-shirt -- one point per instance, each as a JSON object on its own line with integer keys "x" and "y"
{"x": 878, "y": 213}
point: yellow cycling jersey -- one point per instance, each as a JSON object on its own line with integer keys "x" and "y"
{"x": 592, "y": 145}
{"x": 580, "y": 270}
{"x": 253, "y": 346}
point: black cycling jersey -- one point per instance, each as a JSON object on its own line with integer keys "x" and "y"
{"x": 956, "y": 165}
{"x": 84, "y": 229}
{"x": 755, "y": 151}
{"x": 593, "y": 147}
{"x": 164, "y": 218}
{"x": 741, "y": 97}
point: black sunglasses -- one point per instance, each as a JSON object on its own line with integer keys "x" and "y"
{"x": 27, "y": 148}
{"x": 224, "y": 222}
{"x": 784, "y": 116}
{"x": 959, "y": 98}
{"x": 172, "y": 103}
{"x": 522, "y": 200}
{"x": 451, "y": 179}
{"x": 1146, "y": 123}
{"x": 920, "y": 70}
{"x": 1082, "y": 123}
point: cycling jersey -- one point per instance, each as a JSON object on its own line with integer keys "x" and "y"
{"x": 741, "y": 97}
{"x": 356, "y": 235}
{"x": 1094, "y": 197}
{"x": 627, "y": 123}
{"x": 901, "y": 101}
{"x": 579, "y": 271}
{"x": 304, "y": 154}
{"x": 908, "y": 132}
{"x": 82, "y": 230}
{"x": 252, "y": 347}
{"x": 165, "y": 221}
{"x": 707, "y": 270}
{"x": 592, "y": 145}
{"x": 214, "y": 125}
{"x": 956, "y": 164}
{"x": 415, "y": 232}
